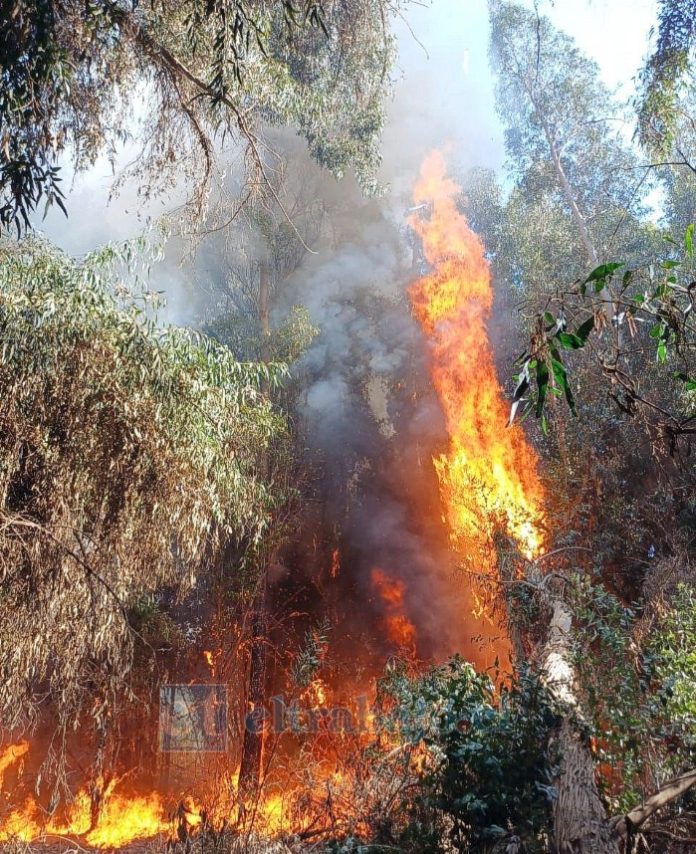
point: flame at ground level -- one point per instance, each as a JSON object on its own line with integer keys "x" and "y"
{"x": 488, "y": 476}
{"x": 124, "y": 818}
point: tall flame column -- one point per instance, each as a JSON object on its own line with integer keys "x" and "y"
{"x": 488, "y": 476}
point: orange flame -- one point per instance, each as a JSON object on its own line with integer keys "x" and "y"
{"x": 489, "y": 474}
{"x": 400, "y": 630}
{"x": 125, "y": 818}
{"x": 210, "y": 661}
{"x": 315, "y": 695}
{"x": 11, "y": 754}
{"x": 335, "y": 563}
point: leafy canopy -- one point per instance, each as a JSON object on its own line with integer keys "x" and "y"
{"x": 206, "y": 73}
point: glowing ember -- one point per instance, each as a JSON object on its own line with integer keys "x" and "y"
{"x": 489, "y": 474}
{"x": 209, "y": 657}
{"x": 314, "y": 694}
{"x": 400, "y": 630}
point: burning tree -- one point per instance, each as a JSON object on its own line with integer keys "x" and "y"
{"x": 489, "y": 480}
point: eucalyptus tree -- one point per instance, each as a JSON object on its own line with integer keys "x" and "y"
{"x": 270, "y": 241}
{"x": 564, "y": 134}
{"x": 130, "y": 456}
{"x": 200, "y": 73}
{"x": 575, "y": 211}
{"x": 670, "y": 155}
{"x": 666, "y": 108}
{"x": 668, "y": 72}
{"x": 578, "y": 189}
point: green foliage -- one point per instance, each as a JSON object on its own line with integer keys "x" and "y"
{"x": 640, "y": 701}
{"x": 311, "y": 655}
{"x": 208, "y": 72}
{"x": 665, "y": 74}
{"x": 491, "y": 773}
{"x": 290, "y": 340}
{"x": 285, "y": 344}
{"x": 31, "y": 61}
{"x": 648, "y": 306}
{"x": 130, "y": 455}
{"x": 674, "y": 649}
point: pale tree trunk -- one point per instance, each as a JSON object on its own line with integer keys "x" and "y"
{"x": 578, "y": 218}
{"x": 265, "y": 310}
{"x": 580, "y": 224}
{"x": 254, "y": 734}
{"x": 580, "y": 821}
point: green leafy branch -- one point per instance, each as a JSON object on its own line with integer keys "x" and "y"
{"x": 647, "y": 308}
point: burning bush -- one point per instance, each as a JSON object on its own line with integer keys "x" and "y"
{"x": 129, "y": 454}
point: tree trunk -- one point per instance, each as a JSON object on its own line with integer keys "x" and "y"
{"x": 254, "y": 730}
{"x": 264, "y": 309}
{"x": 580, "y": 820}
{"x": 578, "y": 218}
{"x": 580, "y": 224}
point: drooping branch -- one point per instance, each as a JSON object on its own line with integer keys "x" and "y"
{"x": 176, "y": 69}
{"x": 625, "y": 825}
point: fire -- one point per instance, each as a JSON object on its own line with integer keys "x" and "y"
{"x": 22, "y": 825}
{"x": 315, "y": 694}
{"x": 400, "y": 630}
{"x": 335, "y": 563}
{"x": 488, "y": 477}
{"x": 127, "y": 818}
{"x": 124, "y": 818}
{"x": 489, "y": 474}
{"x": 11, "y": 754}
